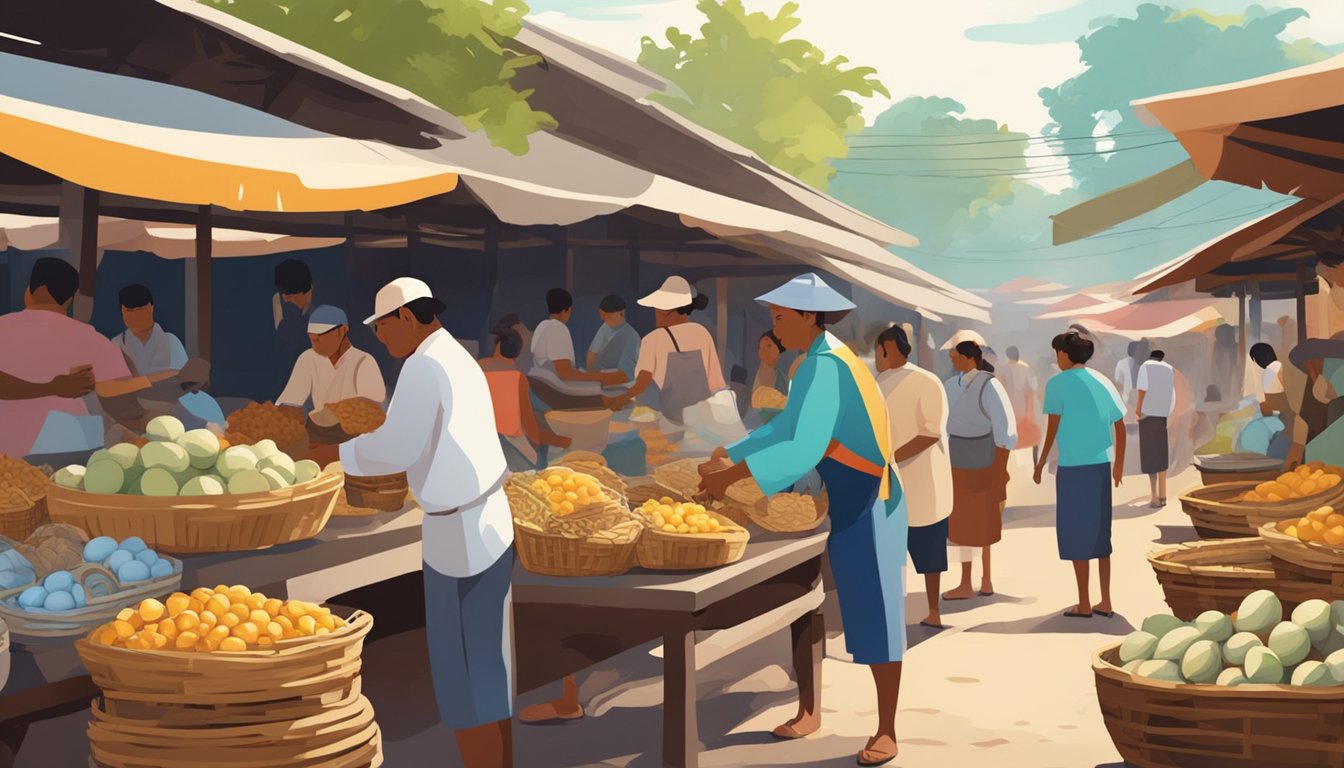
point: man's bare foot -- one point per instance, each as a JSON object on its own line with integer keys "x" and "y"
{"x": 880, "y": 750}
{"x": 549, "y": 712}
{"x": 986, "y": 589}
{"x": 963, "y": 592}
{"x": 798, "y": 727}
{"x": 933, "y": 620}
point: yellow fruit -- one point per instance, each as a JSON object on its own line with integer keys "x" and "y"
{"x": 307, "y": 624}
{"x": 107, "y": 635}
{"x": 186, "y": 641}
{"x": 159, "y": 641}
{"x": 202, "y": 594}
{"x": 177, "y": 603}
{"x": 188, "y": 619}
{"x": 265, "y": 640}
{"x": 168, "y": 629}
{"x": 1321, "y": 514}
{"x": 209, "y": 618}
{"x": 123, "y": 629}
{"x": 1335, "y": 519}
{"x": 327, "y": 621}
{"x": 195, "y": 605}
{"x": 219, "y": 604}
{"x": 232, "y": 645}
{"x": 1334, "y": 536}
{"x": 1307, "y": 488}
{"x": 273, "y": 606}
{"x": 152, "y": 610}
{"x": 255, "y": 601}
{"x": 1274, "y": 497}
{"x": 275, "y": 630}
{"x": 247, "y": 632}
{"x": 322, "y": 631}
{"x": 239, "y": 591}
{"x": 285, "y": 622}
{"x": 229, "y": 620}
{"x": 240, "y": 611}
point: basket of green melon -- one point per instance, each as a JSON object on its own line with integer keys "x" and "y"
{"x": 189, "y": 491}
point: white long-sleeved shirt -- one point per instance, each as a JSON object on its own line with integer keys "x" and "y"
{"x": 355, "y": 374}
{"x": 440, "y": 431}
{"x": 992, "y": 414}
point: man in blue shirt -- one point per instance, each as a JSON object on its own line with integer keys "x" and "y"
{"x": 615, "y": 346}
{"x": 1088, "y": 418}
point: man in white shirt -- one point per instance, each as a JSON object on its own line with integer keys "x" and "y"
{"x": 440, "y": 431}
{"x": 332, "y": 370}
{"x": 917, "y": 416}
{"x": 1156, "y": 387}
{"x": 559, "y": 381}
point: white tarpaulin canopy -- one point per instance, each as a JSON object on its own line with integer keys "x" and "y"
{"x": 169, "y": 241}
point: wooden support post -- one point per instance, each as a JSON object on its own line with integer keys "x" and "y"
{"x": 1241, "y": 322}
{"x": 721, "y": 323}
{"x": 490, "y": 249}
{"x": 205, "y": 239}
{"x": 569, "y": 260}
{"x": 1257, "y": 313}
{"x": 1301, "y": 302}
{"x": 681, "y": 740}
{"x": 78, "y": 225}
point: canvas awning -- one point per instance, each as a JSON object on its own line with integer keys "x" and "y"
{"x": 1080, "y": 305}
{"x": 1255, "y": 239}
{"x": 169, "y": 241}
{"x": 160, "y": 142}
{"x": 1154, "y": 320}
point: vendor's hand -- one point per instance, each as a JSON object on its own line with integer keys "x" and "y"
{"x": 720, "y": 453}
{"x": 614, "y": 403}
{"x": 1117, "y": 473}
{"x": 78, "y": 383}
{"x": 1295, "y": 456}
{"x": 716, "y": 464}
{"x": 611, "y": 378}
{"x": 715, "y": 485}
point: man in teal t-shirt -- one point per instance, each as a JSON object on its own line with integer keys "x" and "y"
{"x": 1087, "y": 416}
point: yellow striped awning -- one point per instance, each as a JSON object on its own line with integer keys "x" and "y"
{"x": 162, "y": 142}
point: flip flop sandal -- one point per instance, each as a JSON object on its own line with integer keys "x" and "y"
{"x": 878, "y": 758}
{"x": 787, "y": 732}
{"x": 1104, "y": 614}
{"x": 1077, "y": 615}
{"x": 983, "y": 593}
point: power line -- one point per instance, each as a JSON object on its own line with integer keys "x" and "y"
{"x": 1093, "y": 152}
{"x": 1027, "y": 139}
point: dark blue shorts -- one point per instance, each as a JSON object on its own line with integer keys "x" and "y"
{"x": 928, "y": 547}
{"x": 468, "y": 623}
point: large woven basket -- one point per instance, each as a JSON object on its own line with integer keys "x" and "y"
{"x": 599, "y": 470}
{"x": 1237, "y": 467}
{"x": 180, "y": 525}
{"x": 683, "y": 475}
{"x": 386, "y": 493}
{"x": 19, "y": 522}
{"x": 1157, "y": 724}
{"x": 1217, "y": 575}
{"x": 766, "y": 515}
{"x": 39, "y": 628}
{"x": 1216, "y": 514}
{"x": 663, "y": 551}
{"x": 1320, "y": 561}
{"x": 598, "y": 540}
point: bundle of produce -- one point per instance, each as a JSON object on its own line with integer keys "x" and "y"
{"x": 93, "y": 582}
{"x": 187, "y": 478}
{"x": 23, "y": 490}
{"x": 682, "y": 535}
{"x": 266, "y": 421}
{"x": 226, "y": 676}
{"x": 566, "y": 523}
{"x": 1246, "y": 689}
{"x": 768, "y": 398}
{"x": 791, "y": 512}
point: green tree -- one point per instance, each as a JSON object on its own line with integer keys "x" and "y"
{"x": 783, "y": 99}
{"x": 925, "y": 169}
{"x": 1160, "y": 50}
{"x": 453, "y": 53}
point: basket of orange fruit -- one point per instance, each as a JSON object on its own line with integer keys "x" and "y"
{"x": 1311, "y": 546}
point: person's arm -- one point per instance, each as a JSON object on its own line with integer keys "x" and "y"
{"x": 642, "y": 382}
{"x": 1139, "y": 409}
{"x": 404, "y": 437}
{"x": 567, "y": 372}
{"x": 1051, "y": 430}
{"x": 71, "y": 385}
{"x": 177, "y": 354}
{"x": 592, "y": 359}
{"x": 1001, "y": 416}
{"x": 931, "y": 420}
{"x": 1118, "y": 467}
{"x": 1141, "y": 388}
{"x": 300, "y": 385}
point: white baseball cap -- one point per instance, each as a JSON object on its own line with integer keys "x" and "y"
{"x": 961, "y": 336}
{"x": 675, "y": 294}
{"x": 397, "y": 294}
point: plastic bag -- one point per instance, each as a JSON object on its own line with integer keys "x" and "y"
{"x": 716, "y": 420}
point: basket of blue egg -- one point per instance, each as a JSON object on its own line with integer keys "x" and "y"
{"x": 69, "y": 602}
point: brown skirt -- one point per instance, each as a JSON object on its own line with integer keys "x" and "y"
{"x": 976, "y": 495}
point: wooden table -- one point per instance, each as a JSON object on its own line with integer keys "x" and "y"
{"x": 562, "y": 626}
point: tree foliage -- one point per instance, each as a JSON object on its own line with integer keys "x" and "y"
{"x": 453, "y": 53}
{"x": 781, "y": 98}
{"x": 1159, "y": 51}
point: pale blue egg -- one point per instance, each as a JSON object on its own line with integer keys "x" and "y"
{"x": 161, "y": 569}
{"x": 135, "y": 545}
{"x": 59, "y": 601}
{"x": 99, "y": 549}
{"x": 77, "y": 592}
{"x": 32, "y": 597}
{"x": 148, "y": 557}
{"x": 132, "y": 571}
{"x": 15, "y": 560}
{"x": 118, "y": 559}
{"x": 59, "y": 581}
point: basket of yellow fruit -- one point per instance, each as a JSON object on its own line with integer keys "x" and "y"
{"x": 1216, "y": 511}
{"x": 1314, "y": 543}
{"x": 23, "y": 498}
{"x": 791, "y": 512}
{"x": 1306, "y": 488}
{"x": 227, "y": 676}
{"x": 594, "y": 464}
{"x": 680, "y": 536}
{"x": 566, "y": 523}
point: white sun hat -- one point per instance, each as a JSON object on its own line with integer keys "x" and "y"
{"x": 966, "y": 335}
{"x": 675, "y": 294}
{"x": 397, "y": 294}
{"x": 807, "y": 293}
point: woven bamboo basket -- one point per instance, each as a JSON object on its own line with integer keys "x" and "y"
{"x": 203, "y": 523}
{"x": 683, "y": 475}
{"x": 109, "y": 598}
{"x": 1216, "y": 514}
{"x": 768, "y": 514}
{"x": 736, "y": 513}
{"x": 291, "y": 669}
{"x": 19, "y": 522}
{"x": 386, "y": 493}
{"x": 1157, "y": 724}
{"x": 1237, "y": 467}
{"x": 597, "y": 540}
{"x": 663, "y": 551}
{"x": 1323, "y": 562}
{"x": 1217, "y": 575}
{"x": 604, "y": 475}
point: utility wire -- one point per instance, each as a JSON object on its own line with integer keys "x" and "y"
{"x": 1087, "y": 153}
{"x": 1027, "y": 139}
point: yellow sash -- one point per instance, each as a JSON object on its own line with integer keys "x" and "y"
{"x": 874, "y": 403}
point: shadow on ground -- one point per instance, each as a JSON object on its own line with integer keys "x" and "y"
{"x": 1057, "y": 623}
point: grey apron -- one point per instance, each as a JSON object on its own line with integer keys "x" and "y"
{"x": 685, "y": 383}
{"x": 973, "y": 452}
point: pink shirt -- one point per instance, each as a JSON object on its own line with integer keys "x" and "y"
{"x": 38, "y": 345}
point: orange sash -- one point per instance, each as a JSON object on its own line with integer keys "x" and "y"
{"x": 876, "y": 406}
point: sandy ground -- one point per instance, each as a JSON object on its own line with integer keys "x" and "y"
{"x": 1008, "y": 683}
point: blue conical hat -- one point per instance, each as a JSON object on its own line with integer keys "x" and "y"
{"x": 807, "y": 293}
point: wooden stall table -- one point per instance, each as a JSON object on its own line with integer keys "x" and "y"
{"x": 564, "y": 625}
